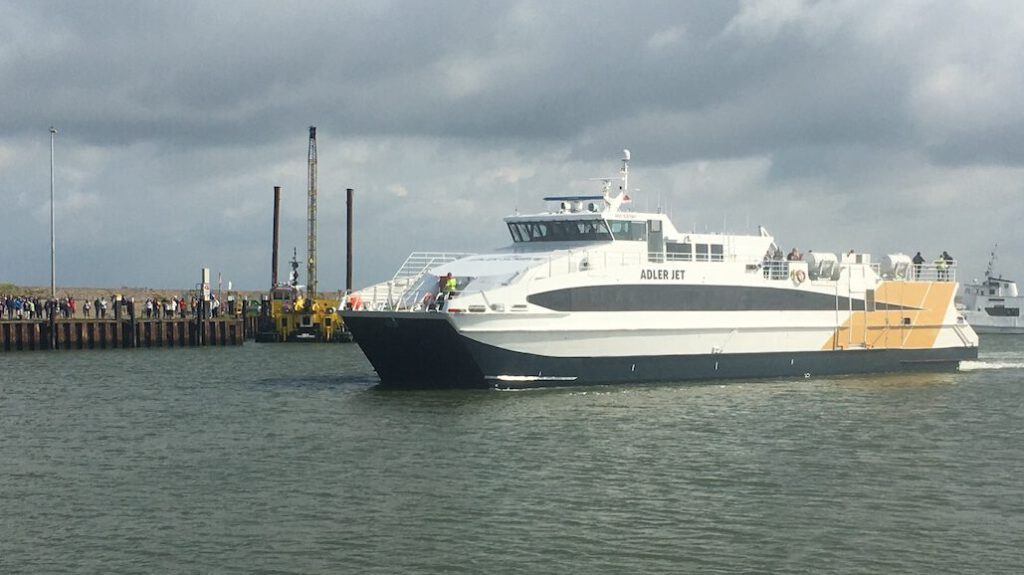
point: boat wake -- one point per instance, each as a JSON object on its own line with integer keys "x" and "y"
{"x": 980, "y": 365}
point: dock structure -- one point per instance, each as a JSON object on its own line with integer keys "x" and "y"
{"x": 71, "y": 334}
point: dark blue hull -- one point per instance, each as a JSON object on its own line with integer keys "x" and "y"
{"x": 425, "y": 351}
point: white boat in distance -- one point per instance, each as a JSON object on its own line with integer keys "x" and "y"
{"x": 993, "y": 305}
{"x": 593, "y": 293}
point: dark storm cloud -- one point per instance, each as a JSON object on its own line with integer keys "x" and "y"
{"x": 210, "y": 74}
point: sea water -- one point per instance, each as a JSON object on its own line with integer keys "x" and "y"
{"x": 277, "y": 458}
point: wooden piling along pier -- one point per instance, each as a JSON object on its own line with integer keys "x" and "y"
{"x": 67, "y": 334}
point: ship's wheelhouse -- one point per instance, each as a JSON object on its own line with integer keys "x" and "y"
{"x": 577, "y": 230}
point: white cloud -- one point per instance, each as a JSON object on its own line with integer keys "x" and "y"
{"x": 464, "y": 76}
{"x": 762, "y": 20}
{"x": 398, "y": 190}
{"x": 666, "y": 38}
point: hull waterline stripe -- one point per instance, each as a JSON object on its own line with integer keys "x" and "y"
{"x": 529, "y": 378}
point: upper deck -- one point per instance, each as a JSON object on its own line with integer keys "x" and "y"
{"x": 591, "y": 233}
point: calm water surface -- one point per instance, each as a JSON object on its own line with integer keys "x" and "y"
{"x": 287, "y": 459}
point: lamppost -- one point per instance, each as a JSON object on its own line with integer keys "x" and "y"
{"x": 53, "y": 237}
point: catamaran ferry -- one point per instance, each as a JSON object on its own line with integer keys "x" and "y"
{"x": 592, "y": 292}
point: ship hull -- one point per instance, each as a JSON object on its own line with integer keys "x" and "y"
{"x": 425, "y": 350}
{"x": 985, "y": 324}
{"x": 997, "y": 329}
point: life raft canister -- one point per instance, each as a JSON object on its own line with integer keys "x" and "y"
{"x": 355, "y": 301}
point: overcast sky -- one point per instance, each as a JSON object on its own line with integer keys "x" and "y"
{"x": 879, "y": 126}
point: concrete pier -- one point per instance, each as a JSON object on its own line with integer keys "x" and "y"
{"x": 67, "y": 334}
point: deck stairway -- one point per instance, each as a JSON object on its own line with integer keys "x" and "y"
{"x": 388, "y": 295}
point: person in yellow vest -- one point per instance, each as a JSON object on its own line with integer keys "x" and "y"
{"x": 449, "y": 285}
{"x": 941, "y": 269}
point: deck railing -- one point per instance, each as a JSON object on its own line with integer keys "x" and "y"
{"x": 388, "y": 295}
{"x": 933, "y": 273}
{"x": 392, "y": 294}
{"x": 575, "y": 262}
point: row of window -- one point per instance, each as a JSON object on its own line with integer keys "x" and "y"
{"x": 686, "y": 252}
{"x": 578, "y": 230}
{"x": 605, "y": 230}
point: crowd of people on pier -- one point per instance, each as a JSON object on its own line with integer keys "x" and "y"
{"x": 30, "y": 307}
{"x": 20, "y": 307}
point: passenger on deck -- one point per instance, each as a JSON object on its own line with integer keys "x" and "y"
{"x": 918, "y": 262}
{"x": 941, "y": 269}
{"x": 450, "y": 284}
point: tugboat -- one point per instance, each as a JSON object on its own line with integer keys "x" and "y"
{"x": 993, "y": 305}
{"x": 591, "y": 292}
{"x": 295, "y": 317}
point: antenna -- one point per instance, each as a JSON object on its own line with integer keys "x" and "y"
{"x": 625, "y": 171}
{"x": 613, "y": 203}
{"x": 991, "y": 261}
{"x": 293, "y": 278}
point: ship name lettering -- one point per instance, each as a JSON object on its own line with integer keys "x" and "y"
{"x": 659, "y": 274}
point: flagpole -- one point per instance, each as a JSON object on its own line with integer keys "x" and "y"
{"x": 53, "y": 237}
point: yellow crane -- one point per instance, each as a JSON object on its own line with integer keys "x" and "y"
{"x": 299, "y": 316}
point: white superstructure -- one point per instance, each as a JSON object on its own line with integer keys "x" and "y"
{"x": 993, "y": 305}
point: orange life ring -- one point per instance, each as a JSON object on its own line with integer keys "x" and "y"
{"x": 799, "y": 276}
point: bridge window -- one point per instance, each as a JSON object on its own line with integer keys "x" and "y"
{"x": 538, "y": 231}
{"x": 559, "y": 231}
{"x": 628, "y": 230}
